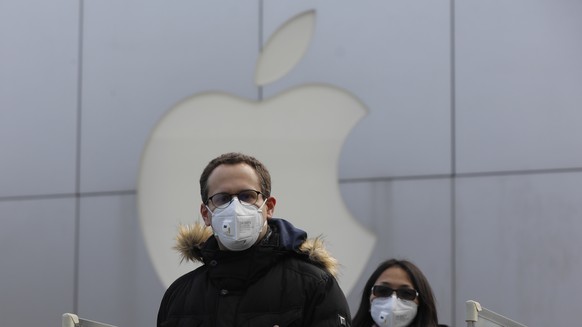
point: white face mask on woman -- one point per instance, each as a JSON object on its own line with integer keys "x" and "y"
{"x": 392, "y": 311}
{"x": 238, "y": 226}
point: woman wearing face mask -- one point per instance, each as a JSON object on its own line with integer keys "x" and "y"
{"x": 397, "y": 294}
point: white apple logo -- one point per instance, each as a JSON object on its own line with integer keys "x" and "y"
{"x": 297, "y": 134}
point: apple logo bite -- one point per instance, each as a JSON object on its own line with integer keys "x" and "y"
{"x": 297, "y": 134}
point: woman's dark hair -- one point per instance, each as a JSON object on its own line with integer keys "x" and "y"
{"x": 426, "y": 315}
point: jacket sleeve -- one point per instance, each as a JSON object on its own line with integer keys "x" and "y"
{"x": 328, "y": 306}
{"x": 163, "y": 310}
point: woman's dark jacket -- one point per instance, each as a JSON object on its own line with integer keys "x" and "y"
{"x": 285, "y": 280}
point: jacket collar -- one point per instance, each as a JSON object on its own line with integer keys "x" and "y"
{"x": 191, "y": 243}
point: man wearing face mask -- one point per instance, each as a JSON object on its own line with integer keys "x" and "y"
{"x": 257, "y": 270}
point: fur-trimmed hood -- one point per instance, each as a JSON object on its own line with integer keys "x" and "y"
{"x": 191, "y": 240}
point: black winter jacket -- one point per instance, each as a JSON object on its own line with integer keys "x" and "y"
{"x": 285, "y": 280}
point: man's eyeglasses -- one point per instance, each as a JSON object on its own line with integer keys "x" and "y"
{"x": 222, "y": 200}
{"x": 404, "y": 293}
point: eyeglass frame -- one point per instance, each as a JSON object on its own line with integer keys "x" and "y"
{"x": 398, "y": 292}
{"x": 232, "y": 195}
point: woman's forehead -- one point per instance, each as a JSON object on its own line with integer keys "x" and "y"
{"x": 394, "y": 277}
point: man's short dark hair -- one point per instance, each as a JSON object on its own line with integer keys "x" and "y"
{"x": 233, "y": 158}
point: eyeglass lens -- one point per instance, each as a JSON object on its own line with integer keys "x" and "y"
{"x": 248, "y": 197}
{"x": 402, "y": 293}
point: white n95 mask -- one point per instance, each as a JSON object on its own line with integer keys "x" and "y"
{"x": 392, "y": 311}
{"x": 238, "y": 226}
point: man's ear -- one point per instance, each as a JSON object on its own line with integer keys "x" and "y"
{"x": 271, "y": 202}
{"x": 205, "y": 214}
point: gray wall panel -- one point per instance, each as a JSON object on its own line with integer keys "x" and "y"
{"x": 146, "y": 59}
{"x": 117, "y": 283}
{"x": 395, "y": 57}
{"x": 37, "y": 247}
{"x": 519, "y": 85}
{"x": 38, "y": 96}
{"x": 518, "y": 240}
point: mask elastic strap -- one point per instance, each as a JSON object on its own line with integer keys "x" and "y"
{"x": 209, "y": 210}
{"x": 260, "y": 208}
